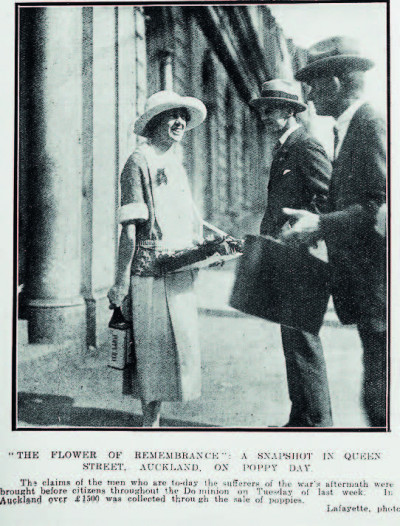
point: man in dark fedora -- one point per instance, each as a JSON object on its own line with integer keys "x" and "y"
{"x": 299, "y": 178}
{"x": 350, "y": 227}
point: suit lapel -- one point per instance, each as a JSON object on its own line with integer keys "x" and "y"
{"x": 346, "y": 149}
{"x": 282, "y": 153}
{"x": 348, "y": 138}
{"x": 293, "y": 137}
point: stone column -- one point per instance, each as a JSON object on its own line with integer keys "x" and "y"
{"x": 114, "y": 77}
{"x": 51, "y": 157}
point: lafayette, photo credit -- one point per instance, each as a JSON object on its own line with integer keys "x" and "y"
{"x": 200, "y": 217}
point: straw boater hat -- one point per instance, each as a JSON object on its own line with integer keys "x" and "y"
{"x": 169, "y": 100}
{"x": 332, "y": 56}
{"x": 277, "y": 93}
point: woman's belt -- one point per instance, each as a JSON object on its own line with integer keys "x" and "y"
{"x": 146, "y": 263}
{"x": 149, "y": 243}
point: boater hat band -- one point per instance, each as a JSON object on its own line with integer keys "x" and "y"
{"x": 279, "y": 94}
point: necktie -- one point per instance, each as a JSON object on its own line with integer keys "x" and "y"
{"x": 335, "y": 142}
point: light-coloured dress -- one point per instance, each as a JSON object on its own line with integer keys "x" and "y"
{"x": 155, "y": 194}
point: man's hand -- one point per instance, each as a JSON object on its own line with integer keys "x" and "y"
{"x": 305, "y": 230}
{"x": 380, "y": 225}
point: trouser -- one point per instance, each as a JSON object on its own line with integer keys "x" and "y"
{"x": 307, "y": 379}
{"x": 374, "y": 388}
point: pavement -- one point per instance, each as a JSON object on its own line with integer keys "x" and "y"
{"x": 243, "y": 374}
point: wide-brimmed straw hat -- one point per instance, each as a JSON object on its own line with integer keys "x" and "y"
{"x": 169, "y": 100}
{"x": 334, "y": 55}
{"x": 277, "y": 93}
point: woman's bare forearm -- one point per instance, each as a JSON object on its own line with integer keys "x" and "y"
{"x": 126, "y": 251}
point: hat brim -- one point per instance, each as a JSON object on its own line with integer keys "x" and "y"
{"x": 334, "y": 65}
{"x": 195, "y": 107}
{"x": 277, "y": 102}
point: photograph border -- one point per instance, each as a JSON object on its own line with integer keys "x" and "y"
{"x": 14, "y": 405}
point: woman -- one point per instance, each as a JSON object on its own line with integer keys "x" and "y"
{"x": 158, "y": 215}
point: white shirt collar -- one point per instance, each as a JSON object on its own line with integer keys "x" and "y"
{"x": 344, "y": 119}
{"x": 343, "y": 122}
{"x": 288, "y": 132}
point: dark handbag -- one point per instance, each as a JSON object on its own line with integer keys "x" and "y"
{"x": 281, "y": 284}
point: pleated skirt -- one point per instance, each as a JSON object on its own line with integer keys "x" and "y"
{"x": 165, "y": 335}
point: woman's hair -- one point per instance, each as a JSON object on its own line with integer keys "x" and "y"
{"x": 153, "y": 124}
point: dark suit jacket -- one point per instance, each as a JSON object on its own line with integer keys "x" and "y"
{"x": 356, "y": 252}
{"x": 299, "y": 178}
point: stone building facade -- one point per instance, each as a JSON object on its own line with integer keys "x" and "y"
{"x": 84, "y": 75}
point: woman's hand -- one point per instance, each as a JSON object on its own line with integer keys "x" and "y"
{"x": 117, "y": 294}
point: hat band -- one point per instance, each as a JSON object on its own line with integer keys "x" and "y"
{"x": 312, "y": 57}
{"x": 280, "y": 94}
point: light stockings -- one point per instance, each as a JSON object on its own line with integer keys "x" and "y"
{"x": 151, "y": 413}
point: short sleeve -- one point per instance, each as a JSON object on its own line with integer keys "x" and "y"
{"x": 133, "y": 206}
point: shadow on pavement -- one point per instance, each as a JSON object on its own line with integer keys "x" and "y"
{"x": 58, "y": 411}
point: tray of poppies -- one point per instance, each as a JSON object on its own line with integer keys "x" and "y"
{"x": 213, "y": 251}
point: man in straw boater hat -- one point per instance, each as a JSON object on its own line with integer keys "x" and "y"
{"x": 356, "y": 245}
{"x": 299, "y": 178}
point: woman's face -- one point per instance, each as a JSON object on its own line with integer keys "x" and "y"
{"x": 172, "y": 125}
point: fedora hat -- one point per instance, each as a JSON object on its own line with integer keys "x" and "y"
{"x": 169, "y": 100}
{"x": 277, "y": 93}
{"x": 332, "y": 56}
